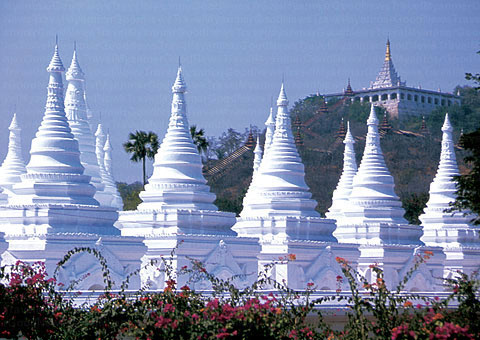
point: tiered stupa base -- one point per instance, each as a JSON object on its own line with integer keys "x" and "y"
{"x": 37, "y": 219}
{"x": 286, "y": 227}
{"x": 57, "y": 188}
{"x": 175, "y": 221}
{"x": 379, "y": 233}
{"x": 374, "y": 212}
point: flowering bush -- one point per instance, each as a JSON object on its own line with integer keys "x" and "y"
{"x": 33, "y": 306}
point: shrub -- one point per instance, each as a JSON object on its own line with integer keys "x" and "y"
{"x": 37, "y": 307}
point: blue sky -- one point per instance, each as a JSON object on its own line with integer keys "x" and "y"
{"x": 233, "y": 53}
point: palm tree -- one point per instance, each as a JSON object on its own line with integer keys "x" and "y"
{"x": 199, "y": 139}
{"x": 142, "y": 145}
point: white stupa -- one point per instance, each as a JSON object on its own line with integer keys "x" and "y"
{"x": 100, "y": 140}
{"x": 178, "y": 210}
{"x": 270, "y": 131}
{"x": 373, "y": 201}
{"x": 13, "y": 166}
{"x": 452, "y": 231}
{"x": 177, "y": 181}
{"x": 279, "y": 210}
{"x": 280, "y": 184}
{"x": 54, "y": 173}
{"x": 373, "y": 218}
{"x": 76, "y": 111}
{"x": 177, "y": 190}
{"x": 345, "y": 184}
{"x": 257, "y": 156}
{"x": 53, "y": 209}
{"x": 110, "y": 185}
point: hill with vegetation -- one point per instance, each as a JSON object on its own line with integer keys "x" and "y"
{"x": 411, "y": 156}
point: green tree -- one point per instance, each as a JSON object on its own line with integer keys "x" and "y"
{"x": 199, "y": 139}
{"x": 474, "y": 77}
{"x": 142, "y": 145}
{"x": 414, "y": 204}
{"x": 130, "y": 194}
{"x": 468, "y": 185}
{"x": 230, "y": 141}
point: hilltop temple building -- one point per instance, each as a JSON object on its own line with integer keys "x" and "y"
{"x": 390, "y": 92}
{"x": 65, "y": 197}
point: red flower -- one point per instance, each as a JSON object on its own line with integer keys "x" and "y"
{"x": 171, "y": 283}
{"x": 292, "y": 257}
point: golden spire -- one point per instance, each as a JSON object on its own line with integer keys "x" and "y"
{"x": 387, "y": 53}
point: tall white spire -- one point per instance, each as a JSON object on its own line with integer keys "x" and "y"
{"x": 345, "y": 184}
{"x": 76, "y": 111}
{"x": 13, "y": 166}
{"x": 54, "y": 173}
{"x": 177, "y": 181}
{"x": 373, "y": 183}
{"x": 270, "y": 124}
{"x": 257, "y": 161}
{"x": 110, "y": 185}
{"x": 100, "y": 139}
{"x": 279, "y": 186}
{"x": 108, "y": 155}
{"x": 440, "y": 227}
{"x": 258, "y": 155}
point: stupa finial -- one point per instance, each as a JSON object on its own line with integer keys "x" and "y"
{"x": 108, "y": 155}
{"x": 179, "y": 86}
{"x": 372, "y": 118}
{"x": 388, "y": 55}
{"x": 282, "y": 97}
{"x": 14, "y": 124}
{"x": 270, "y": 124}
{"x": 75, "y": 72}
{"x": 447, "y": 126}
{"x": 56, "y": 64}
{"x": 258, "y": 155}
